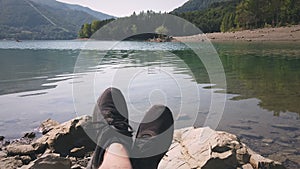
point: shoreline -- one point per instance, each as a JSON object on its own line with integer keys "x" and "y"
{"x": 280, "y": 34}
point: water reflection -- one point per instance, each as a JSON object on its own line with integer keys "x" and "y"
{"x": 263, "y": 71}
{"x": 29, "y": 70}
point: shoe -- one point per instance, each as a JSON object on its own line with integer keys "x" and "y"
{"x": 110, "y": 117}
{"x": 153, "y": 139}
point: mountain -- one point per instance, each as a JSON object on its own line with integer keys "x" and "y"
{"x": 43, "y": 19}
{"x": 195, "y": 5}
{"x": 60, "y": 5}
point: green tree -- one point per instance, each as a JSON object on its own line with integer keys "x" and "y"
{"x": 86, "y": 31}
{"x": 161, "y": 30}
{"x": 96, "y": 25}
{"x": 227, "y": 22}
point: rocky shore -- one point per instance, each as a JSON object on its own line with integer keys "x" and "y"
{"x": 291, "y": 33}
{"x": 66, "y": 146}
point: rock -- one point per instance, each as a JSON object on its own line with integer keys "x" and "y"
{"x": 64, "y": 137}
{"x": 76, "y": 166}
{"x": 285, "y": 127}
{"x": 29, "y": 135}
{"x": 2, "y": 154}
{"x": 15, "y": 149}
{"x": 47, "y": 125}
{"x": 2, "y": 138}
{"x": 268, "y": 141}
{"x": 257, "y": 161}
{"x": 191, "y": 148}
{"x": 10, "y": 163}
{"x": 49, "y": 161}
{"x": 25, "y": 159}
{"x": 209, "y": 149}
{"x": 78, "y": 152}
{"x": 247, "y": 166}
{"x": 39, "y": 148}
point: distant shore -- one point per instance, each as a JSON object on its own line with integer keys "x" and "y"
{"x": 290, "y": 34}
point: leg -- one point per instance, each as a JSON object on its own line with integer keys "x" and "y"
{"x": 116, "y": 157}
{"x": 111, "y": 121}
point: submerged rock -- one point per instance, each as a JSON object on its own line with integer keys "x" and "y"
{"x": 285, "y": 127}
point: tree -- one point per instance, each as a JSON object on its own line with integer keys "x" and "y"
{"x": 96, "y": 25}
{"x": 134, "y": 29}
{"x": 86, "y": 31}
{"x": 161, "y": 30}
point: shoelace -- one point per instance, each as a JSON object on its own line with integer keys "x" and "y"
{"x": 120, "y": 126}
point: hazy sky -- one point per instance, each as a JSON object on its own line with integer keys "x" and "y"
{"x": 127, "y": 7}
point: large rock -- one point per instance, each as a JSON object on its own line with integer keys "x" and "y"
{"x": 16, "y": 149}
{"x": 208, "y": 149}
{"x": 47, "y": 126}
{"x": 10, "y": 163}
{"x": 49, "y": 161}
{"x": 67, "y": 136}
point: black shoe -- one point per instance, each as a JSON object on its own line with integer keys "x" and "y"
{"x": 153, "y": 138}
{"x": 111, "y": 120}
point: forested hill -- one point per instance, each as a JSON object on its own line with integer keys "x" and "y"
{"x": 43, "y": 19}
{"x": 244, "y": 14}
{"x": 195, "y": 5}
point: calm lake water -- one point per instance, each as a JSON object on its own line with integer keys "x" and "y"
{"x": 62, "y": 79}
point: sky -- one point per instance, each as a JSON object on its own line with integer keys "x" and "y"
{"x": 121, "y": 8}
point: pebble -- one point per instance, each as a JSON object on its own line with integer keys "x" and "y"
{"x": 268, "y": 141}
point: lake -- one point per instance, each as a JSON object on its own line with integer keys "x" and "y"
{"x": 257, "y": 99}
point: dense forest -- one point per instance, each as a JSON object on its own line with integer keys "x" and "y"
{"x": 149, "y": 23}
{"x": 245, "y": 14}
{"x": 221, "y": 16}
{"x": 195, "y": 5}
